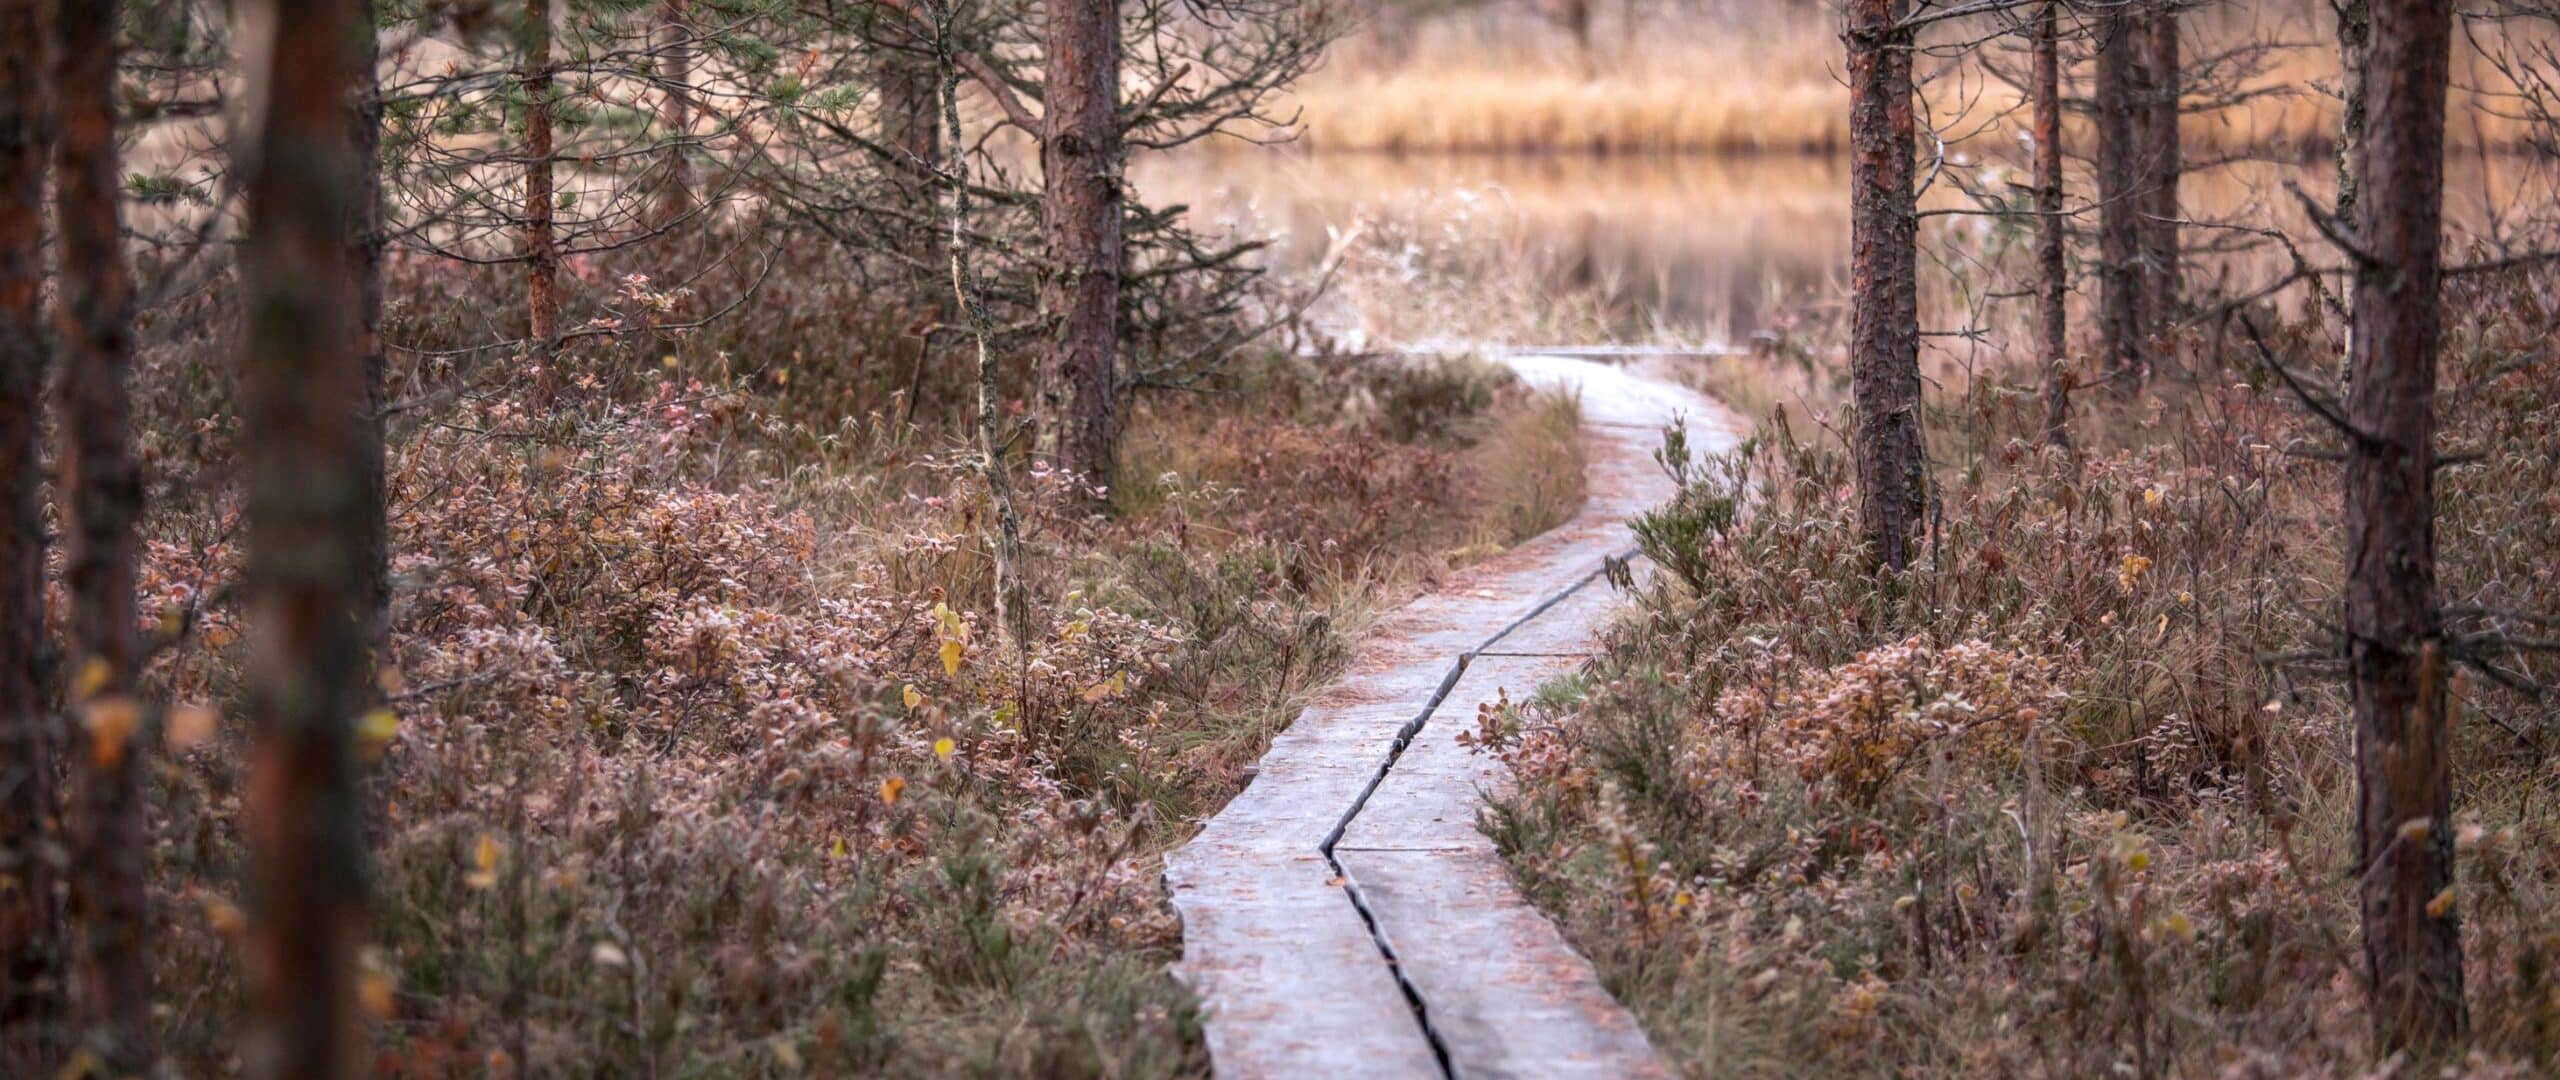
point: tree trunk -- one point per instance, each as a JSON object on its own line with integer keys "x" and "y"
{"x": 2052, "y": 318}
{"x": 365, "y": 241}
{"x": 2396, "y": 659}
{"x": 675, "y": 69}
{"x": 308, "y": 517}
{"x": 2355, "y": 35}
{"x": 1884, "y": 349}
{"x": 911, "y": 127}
{"x": 2122, "y": 328}
{"x": 30, "y": 942}
{"x": 100, "y": 494}
{"x": 541, "y": 250}
{"x": 1080, "y": 207}
{"x": 2163, "y": 163}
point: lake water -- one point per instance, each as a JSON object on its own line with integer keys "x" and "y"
{"x": 1690, "y": 250}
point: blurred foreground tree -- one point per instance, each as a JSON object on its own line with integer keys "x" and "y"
{"x": 99, "y": 496}
{"x": 308, "y": 510}
{"x": 30, "y": 959}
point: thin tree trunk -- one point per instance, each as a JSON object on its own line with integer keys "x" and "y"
{"x": 2395, "y": 653}
{"x": 2122, "y": 328}
{"x": 2052, "y": 318}
{"x": 541, "y": 249}
{"x": 30, "y": 941}
{"x": 1884, "y": 350}
{"x": 911, "y": 127}
{"x": 2164, "y": 162}
{"x": 100, "y": 495}
{"x": 1012, "y": 601}
{"x": 1080, "y": 207}
{"x": 365, "y": 241}
{"x": 675, "y": 69}
{"x": 310, "y": 521}
{"x": 2355, "y": 35}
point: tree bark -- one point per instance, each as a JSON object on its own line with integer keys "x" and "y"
{"x": 541, "y": 248}
{"x": 675, "y": 69}
{"x": 2355, "y": 36}
{"x": 911, "y": 127}
{"x": 2395, "y": 653}
{"x": 1080, "y": 207}
{"x": 100, "y": 494}
{"x": 2052, "y": 317}
{"x": 1884, "y": 349}
{"x": 2122, "y": 327}
{"x": 365, "y": 242}
{"x": 2164, "y": 162}
{"x": 30, "y": 941}
{"x": 309, "y": 489}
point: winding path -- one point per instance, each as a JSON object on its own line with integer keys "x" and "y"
{"x": 1343, "y": 916}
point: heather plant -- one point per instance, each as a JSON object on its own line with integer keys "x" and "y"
{"x": 698, "y": 750}
{"x": 2075, "y": 794}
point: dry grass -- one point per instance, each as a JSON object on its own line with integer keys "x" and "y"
{"x": 1764, "y": 76}
{"x": 2067, "y": 799}
{"x": 709, "y": 759}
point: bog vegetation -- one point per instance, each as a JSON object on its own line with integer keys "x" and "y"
{"x": 727, "y": 537}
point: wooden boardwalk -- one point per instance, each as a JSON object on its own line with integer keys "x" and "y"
{"x": 1343, "y": 916}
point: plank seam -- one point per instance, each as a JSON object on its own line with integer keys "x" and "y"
{"x": 1404, "y": 738}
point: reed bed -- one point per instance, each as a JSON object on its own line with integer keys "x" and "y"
{"x": 1762, "y": 76}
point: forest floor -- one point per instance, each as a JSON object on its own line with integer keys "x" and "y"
{"x": 2075, "y": 794}
{"x": 702, "y": 756}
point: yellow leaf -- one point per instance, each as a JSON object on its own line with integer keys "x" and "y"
{"x": 375, "y": 730}
{"x": 189, "y": 726}
{"x": 111, "y": 721}
{"x": 943, "y": 748}
{"x": 484, "y": 863}
{"x": 1006, "y": 712}
{"x": 891, "y": 788}
{"x": 1114, "y": 686}
{"x": 92, "y": 678}
{"x": 951, "y": 652}
{"x": 838, "y": 851}
{"x": 376, "y": 992}
{"x": 913, "y": 698}
{"x": 2443, "y": 903}
{"x": 223, "y": 916}
{"x": 82, "y": 1062}
{"x": 2179, "y": 926}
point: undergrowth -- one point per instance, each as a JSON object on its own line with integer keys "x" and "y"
{"x": 2074, "y": 796}
{"x": 700, "y": 753}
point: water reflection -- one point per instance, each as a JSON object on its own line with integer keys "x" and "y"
{"x": 1697, "y": 249}
{"x": 1690, "y": 248}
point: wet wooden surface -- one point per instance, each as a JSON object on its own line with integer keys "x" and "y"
{"x": 1405, "y": 942}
